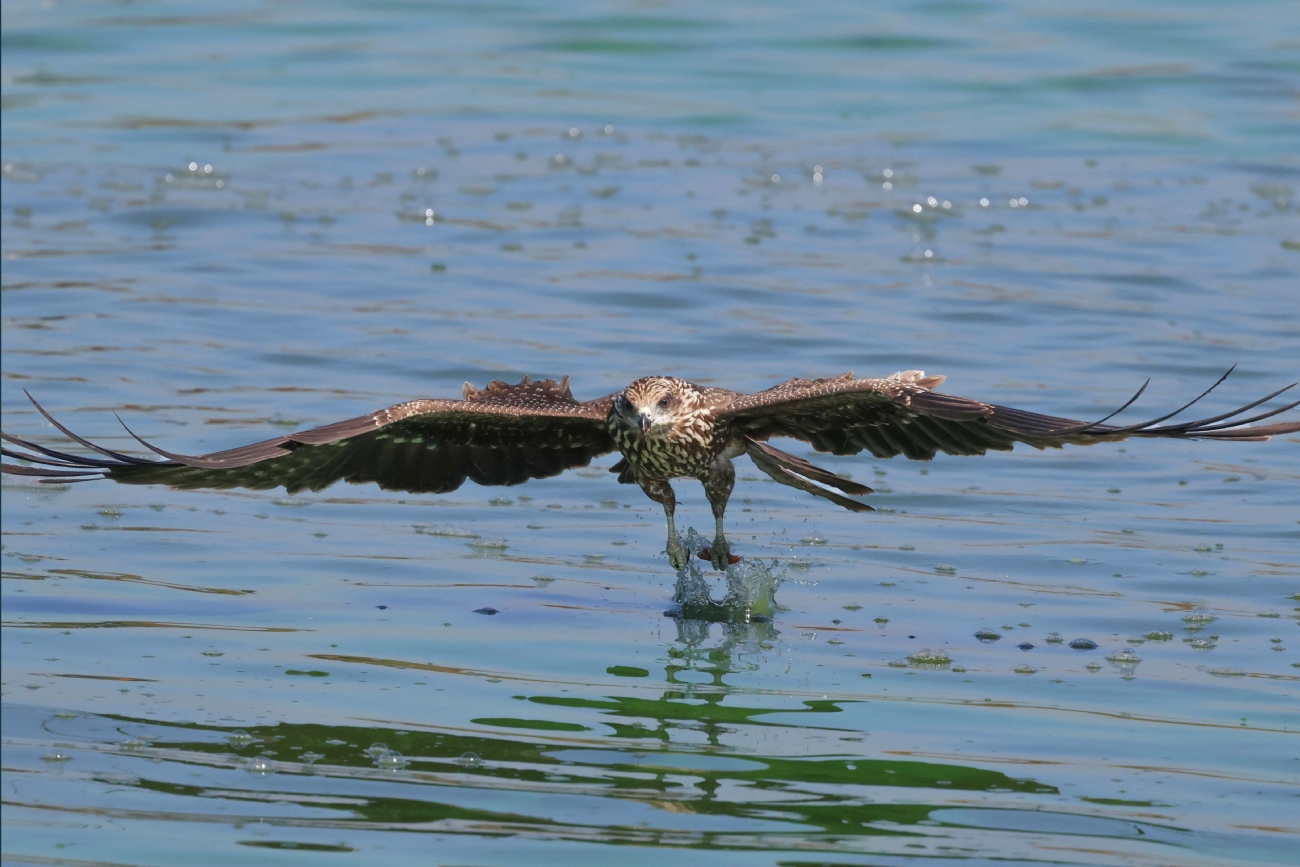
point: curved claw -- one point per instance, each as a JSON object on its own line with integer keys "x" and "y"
{"x": 678, "y": 556}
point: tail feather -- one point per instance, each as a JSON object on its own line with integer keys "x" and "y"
{"x": 798, "y": 473}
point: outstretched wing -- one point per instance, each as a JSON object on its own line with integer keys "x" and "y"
{"x": 902, "y": 414}
{"x": 502, "y": 435}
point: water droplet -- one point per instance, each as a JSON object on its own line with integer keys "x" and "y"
{"x": 1024, "y": 669}
{"x": 987, "y": 636}
{"x": 1025, "y": 645}
{"x": 66, "y": 714}
{"x": 470, "y": 760}
{"x": 984, "y": 203}
{"x": 1083, "y": 644}
{"x": 57, "y": 756}
{"x": 132, "y": 745}
{"x": 376, "y": 749}
{"x": 485, "y": 610}
{"x": 1124, "y": 657}
{"x": 1227, "y": 672}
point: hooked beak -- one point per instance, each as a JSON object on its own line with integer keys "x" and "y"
{"x": 645, "y": 421}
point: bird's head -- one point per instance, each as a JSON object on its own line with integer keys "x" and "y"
{"x": 654, "y": 406}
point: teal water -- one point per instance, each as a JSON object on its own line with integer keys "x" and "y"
{"x": 405, "y": 196}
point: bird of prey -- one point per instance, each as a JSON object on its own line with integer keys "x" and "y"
{"x": 664, "y": 428}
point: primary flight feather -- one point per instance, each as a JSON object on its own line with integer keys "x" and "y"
{"x": 665, "y": 428}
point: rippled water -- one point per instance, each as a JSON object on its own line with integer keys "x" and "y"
{"x": 223, "y": 220}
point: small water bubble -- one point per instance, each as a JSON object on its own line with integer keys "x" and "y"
{"x": 132, "y": 745}
{"x": 776, "y": 179}
{"x": 927, "y": 656}
{"x": 945, "y": 569}
{"x": 984, "y": 203}
{"x": 1024, "y": 669}
{"x": 916, "y": 209}
{"x": 310, "y": 758}
{"x": 898, "y": 663}
{"x": 496, "y": 543}
{"x": 213, "y": 653}
{"x": 987, "y": 636}
{"x": 260, "y": 765}
{"x": 1025, "y": 645}
{"x": 488, "y": 610}
{"x": 887, "y": 186}
{"x": 1200, "y": 617}
{"x": 889, "y": 173}
{"x": 813, "y": 540}
{"x": 65, "y": 714}
{"x": 194, "y": 167}
{"x": 1083, "y": 644}
{"x": 1227, "y": 672}
{"x": 240, "y": 739}
{"x": 1202, "y": 644}
{"x": 470, "y": 760}
{"x": 574, "y": 132}
{"x": 57, "y": 756}
{"x": 376, "y": 749}
{"x": 1054, "y": 638}
{"x": 1023, "y": 201}
{"x": 609, "y": 129}
{"x": 335, "y": 742}
{"x": 1156, "y": 635}
{"x": 1124, "y": 657}
{"x": 1078, "y": 561}
{"x": 1093, "y": 667}
{"x": 391, "y": 760}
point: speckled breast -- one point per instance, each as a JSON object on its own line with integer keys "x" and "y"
{"x": 685, "y": 453}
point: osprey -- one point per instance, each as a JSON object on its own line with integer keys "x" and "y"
{"x": 664, "y": 428}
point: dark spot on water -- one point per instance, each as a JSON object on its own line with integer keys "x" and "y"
{"x": 1083, "y": 644}
{"x": 1025, "y": 646}
{"x": 911, "y": 636}
{"x": 987, "y": 636}
{"x": 488, "y": 611}
{"x": 382, "y": 607}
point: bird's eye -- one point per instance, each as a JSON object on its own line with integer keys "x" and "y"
{"x": 663, "y": 403}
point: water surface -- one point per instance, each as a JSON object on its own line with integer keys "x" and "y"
{"x": 223, "y": 221}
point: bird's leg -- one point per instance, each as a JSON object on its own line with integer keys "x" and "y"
{"x": 662, "y": 492}
{"x": 717, "y": 487}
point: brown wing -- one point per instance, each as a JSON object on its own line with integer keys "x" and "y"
{"x": 902, "y": 414}
{"x": 502, "y": 435}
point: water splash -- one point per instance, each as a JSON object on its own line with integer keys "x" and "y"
{"x": 751, "y": 588}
